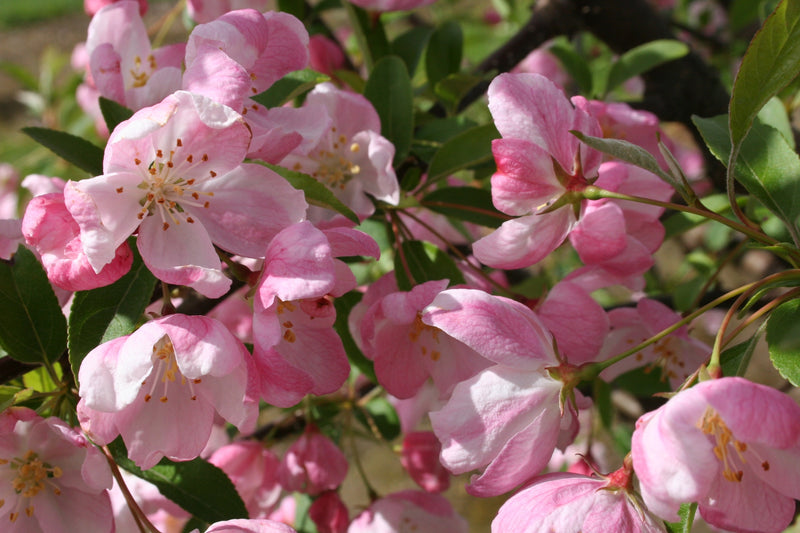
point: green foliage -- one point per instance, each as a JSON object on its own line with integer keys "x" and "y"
{"x": 409, "y": 46}
{"x": 465, "y": 150}
{"x": 344, "y": 304}
{"x": 71, "y": 148}
{"x": 417, "y": 262}
{"x": 389, "y": 90}
{"x": 113, "y": 113}
{"x": 290, "y": 87}
{"x": 33, "y": 328}
{"x": 642, "y": 58}
{"x": 686, "y": 513}
{"x": 443, "y": 55}
{"x": 378, "y": 414}
{"x": 469, "y": 204}
{"x": 783, "y": 338}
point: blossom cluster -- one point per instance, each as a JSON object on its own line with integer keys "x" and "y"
{"x": 269, "y": 213}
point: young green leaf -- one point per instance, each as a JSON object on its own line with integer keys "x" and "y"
{"x": 379, "y": 414}
{"x": 643, "y": 58}
{"x": 113, "y": 113}
{"x": 409, "y": 46}
{"x": 465, "y": 203}
{"x": 72, "y": 149}
{"x": 33, "y": 329}
{"x": 465, "y": 150}
{"x": 783, "y": 339}
{"x": 389, "y": 90}
{"x": 443, "y": 55}
{"x": 290, "y": 87}
{"x": 417, "y": 262}
{"x": 105, "y": 313}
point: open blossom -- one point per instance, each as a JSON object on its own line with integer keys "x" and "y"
{"x": 253, "y": 470}
{"x": 248, "y": 526}
{"x": 161, "y": 386}
{"x": 174, "y": 171}
{"x": 51, "y": 477}
{"x": 312, "y": 464}
{"x": 123, "y": 65}
{"x": 409, "y": 510}
{"x": 202, "y": 11}
{"x": 730, "y": 445}
{"x": 572, "y": 503}
{"x": 507, "y": 419}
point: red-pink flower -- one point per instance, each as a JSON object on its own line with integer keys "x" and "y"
{"x": 329, "y": 513}
{"x": 261, "y": 525}
{"x": 409, "y": 510}
{"x": 52, "y": 478}
{"x": 730, "y": 445}
{"x": 420, "y": 458}
{"x": 312, "y": 464}
{"x": 253, "y": 471}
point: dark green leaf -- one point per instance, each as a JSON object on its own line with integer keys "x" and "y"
{"x": 443, "y": 55}
{"x": 771, "y": 61}
{"x": 298, "y": 8}
{"x": 33, "y": 329}
{"x": 199, "y": 487}
{"x": 643, "y": 58}
{"x": 290, "y": 87}
{"x": 783, "y": 339}
{"x": 102, "y": 314}
{"x": 316, "y": 193}
{"x": 369, "y": 33}
{"x": 686, "y": 513}
{"x": 453, "y": 87}
{"x": 642, "y": 382}
{"x": 389, "y": 90}
{"x": 575, "y": 64}
{"x": 378, "y": 413}
{"x": 113, "y": 113}
{"x": 736, "y": 359}
{"x": 344, "y": 304}
{"x": 465, "y": 150}
{"x": 465, "y": 203}
{"x": 417, "y": 262}
{"x": 409, "y": 46}
{"x": 601, "y": 397}
{"x": 72, "y": 149}
{"x": 767, "y": 167}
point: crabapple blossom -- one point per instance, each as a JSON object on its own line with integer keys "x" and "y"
{"x": 325, "y": 55}
{"x": 732, "y": 446}
{"x": 406, "y": 351}
{"x": 123, "y": 66}
{"x": 392, "y": 5}
{"x": 296, "y": 349}
{"x": 312, "y": 464}
{"x": 507, "y": 419}
{"x": 261, "y": 525}
{"x": 253, "y": 470}
{"x": 409, "y": 510}
{"x": 162, "y": 512}
{"x": 51, "y": 477}
{"x": 174, "y": 171}
{"x": 573, "y": 503}
{"x": 161, "y": 386}
{"x": 677, "y": 355}
{"x": 202, "y": 11}
{"x": 93, "y": 6}
{"x": 420, "y": 458}
{"x": 329, "y": 513}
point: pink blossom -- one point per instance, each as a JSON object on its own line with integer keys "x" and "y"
{"x": 174, "y": 172}
{"x": 730, "y": 445}
{"x": 261, "y": 525}
{"x": 540, "y": 169}
{"x": 124, "y": 67}
{"x": 191, "y": 365}
{"x": 253, "y": 470}
{"x": 542, "y": 61}
{"x": 329, "y": 513}
{"x": 202, "y": 11}
{"x": 407, "y": 351}
{"x": 572, "y": 503}
{"x": 409, "y": 510}
{"x": 420, "y": 458}
{"x": 326, "y": 55}
{"x": 677, "y": 355}
{"x": 162, "y": 512}
{"x": 312, "y": 464}
{"x": 296, "y": 349}
{"x": 93, "y": 6}
{"x": 507, "y": 419}
{"x": 345, "y": 151}
{"x": 53, "y": 478}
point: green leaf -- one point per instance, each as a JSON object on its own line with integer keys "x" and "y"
{"x": 465, "y": 203}
{"x": 642, "y": 382}
{"x": 344, "y": 304}
{"x": 574, "y": 63}
{"x": 771, "y": 61}
{"x": 389, "y": 90}
{"x": 686, "y": 513}
{"x": 105, "y": 313}
{"x": 409, "y": 46}
{"x": 774, "y": 114}
{"x": 783, "y": 339}
{"x": 290, "y": 87}
{"x": 681, "y": 222}
{"x": 767, "y": 166}
{"x": 379, "y": 414}
{"x": 443, "y": 55}
{"x": 369, "y": 33}
{"x": 417, "y": 262}
{"x": 601, "y": 397}
{"x": 33, "y": 328}
{"x": 21, "y": 74}
{"x": 113, "y": 113}
{"x": 199, "y": 487}
{"x": 453, "y": 87}
{"x": 316, "y": 193}
{"x": 465, "y": 150}
{"x": 643, "y": 58}
{"x": 72, "y": 149}
{"x": 736, "y": 359}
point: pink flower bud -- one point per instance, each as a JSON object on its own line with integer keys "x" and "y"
{"x": 329, "y": 513}
{"x": 312, "y": 464}
{"x": 252, "y": 469}
{"x": 421, "y": 459}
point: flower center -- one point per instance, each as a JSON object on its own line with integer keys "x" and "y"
{"x": 141, "y": 76}
{"x": 426, "y": 336}
{"x": 33, "y": 476}
{"x": 166, "y": 371}
{"x": 334, "y": 167}
{"x": 729, "y": 451}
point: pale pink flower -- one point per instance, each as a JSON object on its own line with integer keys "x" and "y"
{"x": 420, "y": 458}
{"x": 345, "y": 151}
{"x": 677, "y": 355}
{"x": 52, "y": 478}
{"x": 730, "y": 445}
{"x": 93, "y": 6}
{"x": 409, "y": 510}
{"x": 202, "y": 11}
{"x": 261, "y": 525}
{"x": 542, "y": 61}
{"x": 507, "y": 419}
{"x": 161, "y": 386}
{"x": 123, "y": 66}
{"x": 162, "y": 512}
{"x": 572, "y": 503}
{"x": 407, "y": 352}
{"x": 312, "y": 464}
{"x": 329, "y": 513}
{"x": 253, "y": 470}
{"x": 174, "y": 171}
{"x": 296, "y": 349}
